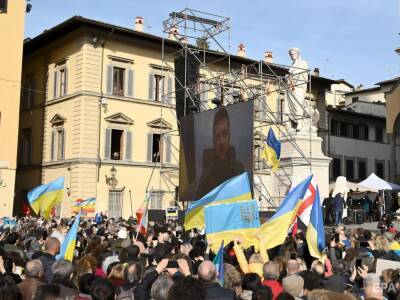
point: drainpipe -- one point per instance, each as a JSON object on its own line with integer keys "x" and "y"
{"x": 101, "y": 101}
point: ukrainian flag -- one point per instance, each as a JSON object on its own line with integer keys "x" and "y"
{"x": 315, "y": 232}
{"x": 68, "y": 245}
{"x": 230, "y": 221}
{"x": 272, "y": 150}
{"x": 234, "y": 189}
{"x": 275, "y": 230}
{"x": 44, "y": 197}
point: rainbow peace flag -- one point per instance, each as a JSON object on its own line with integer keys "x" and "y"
{"x": 86, "y": 206}
{"x": 43, "y": 198}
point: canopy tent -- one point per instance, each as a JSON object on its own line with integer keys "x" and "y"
{"x": 355, "y": 187}
{"x": 377, "y": 183}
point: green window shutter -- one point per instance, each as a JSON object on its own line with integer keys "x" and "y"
{"x": 150, "y": 147}
{"x": 130, "y": 83}
{"x": 55, "y": 91}
{"x": 107, "y": 144}
{"x": 53, "y": 146}
{"x": 128, "y": 149}
{"x": 151, "y": 86}
{"x": 109, "y": 79}
{"x": 168, "y": 147}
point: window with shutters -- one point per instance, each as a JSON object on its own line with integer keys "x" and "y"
{"x": 26, "y": 146}
{"x": 117, "y": 144}
{"x": 156, "y": 150}
{"x": 120, "y": 77}
{"x": 159, "y": 83}
{"x": 118, "y": 81}
{"x": 3, "y": 6}
{"x": 28, "y": 94}
{"x": 118, "y": 138}
{"x": 60, "y": 80}
{"x": 58, "y": 143}
{"x": 57, "y": 150}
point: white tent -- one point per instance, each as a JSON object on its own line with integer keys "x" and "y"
{"x": 377, "y": 183}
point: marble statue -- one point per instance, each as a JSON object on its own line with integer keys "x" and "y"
{"x": 297, "y": 80}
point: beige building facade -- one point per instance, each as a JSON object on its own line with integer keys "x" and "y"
{"x": 103, "y": 116}
{"x": 12, "y": 21}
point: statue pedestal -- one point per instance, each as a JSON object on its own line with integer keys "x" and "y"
{"x": 301, "y": 155}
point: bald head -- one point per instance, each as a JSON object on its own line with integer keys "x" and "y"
{"x": 292, "y": 267}
{"x": 52, "y": 245}
{"x": 34, "y": 268}
{"x": 207, "y": 271}
{"x": 271, "y": 271}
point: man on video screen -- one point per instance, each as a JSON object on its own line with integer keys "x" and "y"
{"x": 219, "y": 163}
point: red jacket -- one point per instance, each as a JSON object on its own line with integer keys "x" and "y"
{"x": 275, "y": 286}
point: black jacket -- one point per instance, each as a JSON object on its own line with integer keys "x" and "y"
{"x": 215, "y": 291}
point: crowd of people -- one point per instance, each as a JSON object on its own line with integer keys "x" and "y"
{"x": 113, "y": 260}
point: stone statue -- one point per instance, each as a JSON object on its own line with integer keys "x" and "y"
{"x": 297, "y": 80}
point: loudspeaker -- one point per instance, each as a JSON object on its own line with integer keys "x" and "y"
{"x": 188, "y": 103}
{"x": 359, "y": 217}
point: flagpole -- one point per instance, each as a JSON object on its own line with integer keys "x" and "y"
{"x": 147, "y": 204}
{"x": 130, "y": 198}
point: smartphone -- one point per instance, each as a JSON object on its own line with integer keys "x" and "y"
{"x": 358, "y": 263}
{"x": 337, "y": 238}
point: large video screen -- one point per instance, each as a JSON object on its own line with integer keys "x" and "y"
{"x": 216, "y": 145}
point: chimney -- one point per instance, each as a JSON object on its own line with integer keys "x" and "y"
{"x": 241, "y": 50}
{"x": 316, "y": 72}
{"x": 139, "y": 24}
{"x": 174, "y": 33}
{"x": 268, "y": 57}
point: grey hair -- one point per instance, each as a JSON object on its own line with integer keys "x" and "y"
{"x": 371, "y": 279}
{"x": 161, "y": 287}
{"x": 62, "y": 269}
{"x": 33, "y": 267}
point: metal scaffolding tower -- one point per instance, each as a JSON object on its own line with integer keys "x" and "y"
{"x": 226, "y": 79}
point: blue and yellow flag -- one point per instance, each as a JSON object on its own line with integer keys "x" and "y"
{"x": 219, "y": 264}
{"x": 231, "y": 221}
{"x": 315, "y": 232}
{"x": 68, "y": 245}
{"x": 275, "y": 230}
{"x": 234, "y": 189}
{"x": 44, "y": 197}
{"x": 272, "y": 150}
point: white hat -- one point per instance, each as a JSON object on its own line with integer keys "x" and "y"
{"x": 122, "y": 233}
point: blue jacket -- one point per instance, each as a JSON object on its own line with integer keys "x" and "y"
{"x": 338, "y": 203}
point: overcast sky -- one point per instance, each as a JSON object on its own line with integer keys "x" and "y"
{"x": 350, "y": 39}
